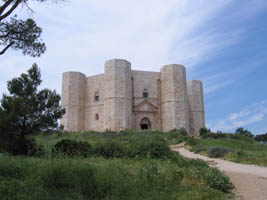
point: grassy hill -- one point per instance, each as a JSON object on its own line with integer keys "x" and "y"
{"x": 125, "y": 165}
{"x": 236, "y": 148}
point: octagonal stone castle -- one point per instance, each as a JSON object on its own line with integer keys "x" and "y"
{"x": 123, "y": 99}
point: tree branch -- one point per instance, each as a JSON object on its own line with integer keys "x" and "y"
{"x": 6, "y": 35}
{"x": 6, "y": 48}
{"x": 3, "y": 7}
{"x": 10, "y": 10}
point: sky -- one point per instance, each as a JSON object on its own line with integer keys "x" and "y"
{"x": 221, "y": 42}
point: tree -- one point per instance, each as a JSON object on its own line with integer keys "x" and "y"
{"x": 245, "y": 132}
{"x": 261, "y": 138}
{"x": 26, "y": 110}
{"x": 19, "y": 34}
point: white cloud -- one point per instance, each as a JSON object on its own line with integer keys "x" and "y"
{"x": 247, "y": 116}
{"x": 82, "y": 35}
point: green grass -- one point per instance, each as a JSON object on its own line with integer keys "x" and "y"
{"x": 23, "y": 178}
{"x": 53, "y": 177}
{"x": 245, "y": 150}
{"x": 95, "y": 138}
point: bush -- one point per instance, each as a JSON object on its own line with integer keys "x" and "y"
{"x": 191, "y": 142}
{"x": 72, "y": 148}
{"x": 110, "y": 149}
{"x": 214, "y": 135}
{"x": 218, "y": 181}
{"x": 204, "y": 131}
{"x": 21, "y": 146}
{"x": 198, "y": 148}
{"x": 218, "y": 151}
{"x": 152, "y": 149}
{"x": 261, "y": 138}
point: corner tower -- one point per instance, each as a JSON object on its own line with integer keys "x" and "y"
{"x": 174, "y": 98}
{"x": 73, "y": 100}
{"x": 118, "y": 95}
{"x": 196, "y": 106}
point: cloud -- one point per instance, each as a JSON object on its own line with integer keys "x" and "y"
{"x": 81, "y": 35}
{"x": 247, "y": 116}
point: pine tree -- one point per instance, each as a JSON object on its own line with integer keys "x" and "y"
{"x": 26, "y": 110}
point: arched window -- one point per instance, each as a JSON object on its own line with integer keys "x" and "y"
{"x": 145, "y": 93}
{"x": 96, "y": 117}
{"x": 97, "y": 98}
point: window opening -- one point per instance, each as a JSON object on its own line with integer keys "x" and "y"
{"x": 97, "y": 96}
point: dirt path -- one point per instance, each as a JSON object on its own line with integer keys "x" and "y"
{"x": 250, "y": 180}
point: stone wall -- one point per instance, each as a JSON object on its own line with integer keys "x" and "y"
{"x": 172, "y": 102}
{"x": 118, "y": 95}
{"x": 73, "y": 100}
{"x": 145, "y": 82}
{"x": 196, "y": 106}
{"x": 174, "y": 98}
{"x": 94, "y": 86}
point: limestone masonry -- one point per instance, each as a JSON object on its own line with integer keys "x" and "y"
{"x": 122, "y": 99}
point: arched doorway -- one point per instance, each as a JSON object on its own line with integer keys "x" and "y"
{"x": 145, "y": 124}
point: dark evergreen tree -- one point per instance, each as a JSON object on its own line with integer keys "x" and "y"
{"x": 26, "y": 110}
{"x": 19, "y": 34}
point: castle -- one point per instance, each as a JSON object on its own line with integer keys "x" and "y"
{"x": 122, "y": 99}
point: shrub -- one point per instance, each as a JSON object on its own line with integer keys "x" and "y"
{"x": 72, "y": 148}
{"x": 218, "y": 151}
{"x": 153, "y": 149}
{"x": 218, "y": 181}
{"x": 204, "y": 131}
{"x": 22, "y": 146}
{"x": 261, "y": 138}
{"x": 191, "y": 142}
{"x": 110, "y": 149}
{"x": 214, "y": 135}
{"x": 198, "y": 148}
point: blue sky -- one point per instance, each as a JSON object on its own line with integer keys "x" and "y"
{"x": 221, "y": 42}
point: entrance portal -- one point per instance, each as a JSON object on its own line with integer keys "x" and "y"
{"x": 145, "y": 124}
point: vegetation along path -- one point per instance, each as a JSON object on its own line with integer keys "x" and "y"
{"x": 250, "y": 180}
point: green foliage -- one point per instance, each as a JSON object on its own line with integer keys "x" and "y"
{"x": 204, "y": 131}
{"x": 111, "y": 149}
{"x": 98, "y": 178}
{"x": 191, "y": 141}
{"x": 27, "y": 110}
{"x": 19, "y": 34}
{"x": 152, "y": 149}
{"x": 72, "y": 148}
{"x": 217, "y": 181}
{"x": 218, "y": 151}
{"x": 261, "y": 138}
{"x": 244, "y": 132}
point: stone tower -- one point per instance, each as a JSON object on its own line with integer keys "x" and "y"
{"x": 73, "y": 100}
{"x": 196, "y": 106}
{"x": 174, "y": 98}
{"x": 117, "y": 95}
{"x": 122, "y": 99}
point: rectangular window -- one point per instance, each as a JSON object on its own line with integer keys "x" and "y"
{"x": 145, "y": 94}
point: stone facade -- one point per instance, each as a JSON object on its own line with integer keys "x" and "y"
{"x": 122, "y": 99}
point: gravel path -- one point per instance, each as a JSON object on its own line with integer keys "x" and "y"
{"x": 250, "y": 180}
